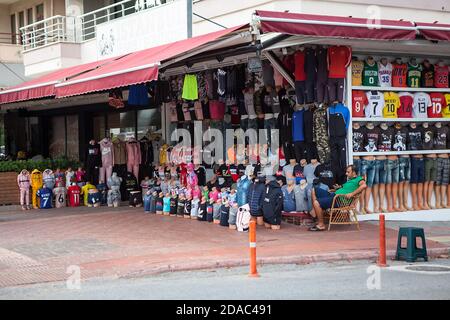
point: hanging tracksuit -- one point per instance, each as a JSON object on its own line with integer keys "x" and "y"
{"x": 338, "y": 121}
{"x": 93, "y": 163}
{"x": 107, "y": 151}
{"x": 24, "y": 183}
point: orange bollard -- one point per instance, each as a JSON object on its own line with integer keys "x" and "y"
{"x": 382, "y": 255}
{"x": 252, "y": 240}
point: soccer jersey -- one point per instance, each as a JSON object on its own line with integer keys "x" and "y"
{"x": 45, "y": 198}
{"x": 441, "y": 76}
{"x": 359, "y": 101}
{"x": 60, "y": 197}
{"x": 73, "y": 193}
{"x": 438, "y": 103}
{"x": 339, "y": 58}
{"x": 386, "y": 139}
{"x": 391, "y": 105}
{"x": 357, "y": 72}
{"x": 414, "y": 75}
{"x": 421, "y": 103}
{"x": 399, "y": 74}
{"x": 385, "y": 74}
{"x": 406, "y": 105}
{"x": 370, "y": 74}
{"x": 446, "y": 109}
{"x": 374, "y": 108}
{"x": 299, "y": 73}
{"x": 428, "y": 76}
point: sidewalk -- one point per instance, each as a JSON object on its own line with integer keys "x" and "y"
{"x": 39, "y": 246}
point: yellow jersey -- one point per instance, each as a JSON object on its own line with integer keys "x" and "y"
{"x": 446, "y": 109}
{"x": 391, "y": 105}
{"x": 357, "y": 72}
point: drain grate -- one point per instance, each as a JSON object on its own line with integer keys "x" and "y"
{"x": 428, "y": 268}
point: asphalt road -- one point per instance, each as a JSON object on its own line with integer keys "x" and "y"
{"x": 356, "y": 280}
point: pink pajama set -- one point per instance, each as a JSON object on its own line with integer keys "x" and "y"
{"x": 107, "y": 152}
{"x": 24, "y": 182}
{"x": 133, "y": 157}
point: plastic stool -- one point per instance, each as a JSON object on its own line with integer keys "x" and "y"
{"x": 411, "y": 252}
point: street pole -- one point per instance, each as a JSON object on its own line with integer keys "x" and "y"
{"x": 189, "y": 18}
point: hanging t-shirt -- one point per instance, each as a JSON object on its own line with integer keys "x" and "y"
{"x": 370, "y": 74}
{"x": 428, "y": 76}
{"x": 358, "y": 139}
{"x": 391, "y": 105}
{"x": 428, "y": 137}
{"x": 406, "y": 105}
{"x": 441, "y": 76}
{"x": 440, "y": 138}
{"x": 386, "y": 139}
{"x": 438, "y": 103}
{"x": 297, "y": 126}
{"x": 399, "y": 75}
{"x": 446, "y": 109}
{"x": 325, "y": 175}
{"x": 357, "y": 72}
{"x": 400, "y": 138}
{"x": 422, "y": 102}
{"x": 385, "y": 74}
{"x": 414, "y": 75}
{"x": 415, "y": 139}
{"x": 339, "y": 58}
{"x": 372, "y": 139}
{"x": 299, "y": 73}
{"x": 374, "y": 108}
{"x": 359, "y": 101}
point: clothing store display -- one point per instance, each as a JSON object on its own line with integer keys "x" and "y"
{"x": 406, "y": 105}
{"x": 427, "y": 78}
{"x": 372, "y": 139}
{"x": 414, "y": 75}
{"x": 321, "y": 133}
{"x": 375, "y": 106}
{"x": 190, "y": 87}
{"x": 138, "y": 95}
{"x": 359, "y": 101}
{"x": 272, "y": 203}
{"x": 107, "y": 151}
{"x": 399, "y": 75}
{"x": 133, "y": 156}
{"x": 93, "y": 162}
{"x": 415, "y": 139}
{"x": 421, "y": 104}
{"x": 441, "y": 73}
{"x": 370, "y": 74}
{"x": 357, "y": 72}
{"x": 359, "y": 139}
{"x": 385, "y": 74}
{"x": 391, "y": 105}
{"x": 386, "y": 139}
{"x": 322, "y": 75}
{"x": 438, "y": 102}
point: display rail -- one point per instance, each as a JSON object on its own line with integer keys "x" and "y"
{"x": 409, "y": 120}
{"x": 400, "y": 89}
{"x": 398, "y": 153}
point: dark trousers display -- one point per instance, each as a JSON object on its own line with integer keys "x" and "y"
{"x": 311, "y": 151}
{"x": 92, "y": 174}
{"x": 288, "y": 150}
{"x": 300, "y": 150}
{"x": 338, "y": 147}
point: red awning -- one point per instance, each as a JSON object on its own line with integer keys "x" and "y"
{"x": 434, "y": 31}
{"x": 137, "y": 67}
{"x": 45, "y": 86}
{"x": 332, "y": 26}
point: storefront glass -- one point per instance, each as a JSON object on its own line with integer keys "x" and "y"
{"x": 123, "y": 123}
{"x": 149, "y": 121}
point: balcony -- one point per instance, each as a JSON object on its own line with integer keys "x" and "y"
{"x": 10, "y": 48}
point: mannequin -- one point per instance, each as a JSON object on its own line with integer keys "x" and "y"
{"x": 107, "y": 151}
{"x": 49, "y": 179}
{"x": 243, "y": 185}
{"x": 24, "y": 183}
{"x": 414, "y": 73}
{"x": 93, "y": 161}
{"x": 192, "y": 179}
{"x": 133, "y": 156}
{"x": 369, "y": 163}
{"x": 272, "y": 205}
{"x": 114, "y": 196}
{"x": 430, "y": 166}
{"x": 370, "y": 72}
{"x": 385, "y": 73}
{"x": 255, "y": 198}
{"x": 301, "y": 196}
{"x": 442, "y": 160}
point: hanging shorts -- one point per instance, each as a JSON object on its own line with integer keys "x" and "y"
{"x": 442, "y": 172}
{"x": 430, "y": 169}
{"x": 190, "y": 87}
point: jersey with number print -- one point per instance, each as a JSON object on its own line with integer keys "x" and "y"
{"x": 438, "y": 103}
{"x": 357, "y": 72}
{"x": 406, "y": 105}
{"x": 385, "y": 74}
{"x": 399, "y": 75}
{"x": 359, "y": 102}
{"x": 391, "y": 105}
{"x": 414, "y": 75}
{"x": 60, "y": 197}
{"x": 370, "y": 74}
{"x": 73, "y": 193}
{"x": 446, "y": 109}
{"x": 374, "y": 108}
{"x": 441, "y": 76}
{"x": 421, "y": 104}
{"x": 45, "y": 198}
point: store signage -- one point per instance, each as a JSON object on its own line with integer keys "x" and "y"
{"x": 254, "y": 64}
{"x": 144, "y": 29}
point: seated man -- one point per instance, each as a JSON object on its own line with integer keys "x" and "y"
{"x": 322, "y": 199}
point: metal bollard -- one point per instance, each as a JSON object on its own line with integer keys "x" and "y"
{"x": 382, "y": 254}
{"x": 252, "y": 240}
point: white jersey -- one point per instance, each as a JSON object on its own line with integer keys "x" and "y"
{"x": 243, "y": 218}
{"x": 422, "y": 102}
{"x": 385, "y": 74}
{"x": 374, "y": 108}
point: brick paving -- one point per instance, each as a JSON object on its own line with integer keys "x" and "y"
{"x": 38, "y": 246}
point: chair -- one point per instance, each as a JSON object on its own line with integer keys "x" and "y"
{"x": 343, "y": 210}
{"x": 411, "y": 252}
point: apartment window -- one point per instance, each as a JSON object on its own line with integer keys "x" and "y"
{"x": 13, "y": 29}
{"x": 40, "y": 12}
{"x": 30, "y": 16}
{"x": 21, "y": 19}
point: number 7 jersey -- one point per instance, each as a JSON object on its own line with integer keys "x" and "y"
{"x": 375, "y": 106}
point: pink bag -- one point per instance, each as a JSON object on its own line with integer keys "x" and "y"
{"x": 216, "y": 109}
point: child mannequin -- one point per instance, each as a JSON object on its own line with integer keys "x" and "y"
{"x": 194, "y": 207}
{"x": 173, "y": 205}
{"x": 159, "y": 203}
{"x": 210, "y": 210}
{"x": 180, "y": 205}
{"x": 187, "y": 207}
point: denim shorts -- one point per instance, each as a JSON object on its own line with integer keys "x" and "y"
{"x": 392, "y": 171}
{"x": 357, "y": 165}
{"x": 381, "y": 172}
{"x": 404, "y": 169}
{"x": 417, "y": 170}
{"x": 369, "y": 170}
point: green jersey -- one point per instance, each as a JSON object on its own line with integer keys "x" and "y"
{"x": 414, "y": 75}
{"x": 370, "y": 75}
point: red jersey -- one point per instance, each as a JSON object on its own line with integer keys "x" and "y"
{"x": 359, "y": 101}
{"x": 437, "y": 104}
{"x": 73, "y": 192}
{"x": 441, "y": 76}
{"x": 300, "y": 74}
{"x": 406, "y": 104}
{"x": 399, "y": 72}
{"x": 339, "y": 58}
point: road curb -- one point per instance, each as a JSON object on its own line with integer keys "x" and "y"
{"x": 300, "y": 259}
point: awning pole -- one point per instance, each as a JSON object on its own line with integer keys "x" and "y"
{"x": 277, "y": 65}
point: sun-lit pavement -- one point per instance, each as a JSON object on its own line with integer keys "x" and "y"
{"x": 39, "y": 246}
